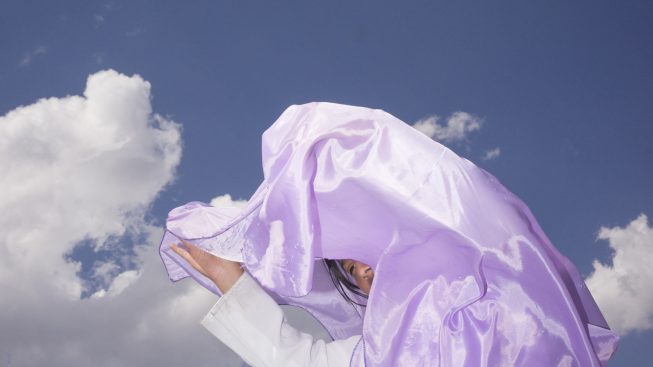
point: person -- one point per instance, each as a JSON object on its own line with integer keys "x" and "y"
{"x": 463, "y": 274}
{"x": 342, "y": 273}
{"x": 252, "y": 324}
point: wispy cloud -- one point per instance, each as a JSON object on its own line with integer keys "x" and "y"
{"x": 100, "y": 17}
{"x": 623, "y": 290}
{"x": 135, "y": 32}
{"x": 456, "y": 127}
{"x": 31, "y": 55}
{"x": 491, "y": 154}
{"x": 98, "y": 20}
{"x": 99, "y": 58}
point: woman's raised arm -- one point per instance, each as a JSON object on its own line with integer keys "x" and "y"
{"x": 251, "y": 323}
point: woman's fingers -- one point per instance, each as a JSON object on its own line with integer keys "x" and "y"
{"x": 196, "y": 253}
{"x": 188, "y": 256}
{"x": 193, "y": 250}
{"x": 224, "y": 273}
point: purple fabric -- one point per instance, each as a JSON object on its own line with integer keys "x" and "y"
{"x": 464, "y": 275}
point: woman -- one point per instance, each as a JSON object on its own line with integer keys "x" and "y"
{"x": 463, "y": 274}
{"x": 252, "y": 324}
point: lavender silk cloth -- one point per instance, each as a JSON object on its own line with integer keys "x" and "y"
{"x": 464, "y": 275}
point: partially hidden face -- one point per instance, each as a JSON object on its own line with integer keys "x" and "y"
{"x": 360, "y": 272}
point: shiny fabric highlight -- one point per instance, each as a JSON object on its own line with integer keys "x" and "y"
{"x": 464, "y": 275}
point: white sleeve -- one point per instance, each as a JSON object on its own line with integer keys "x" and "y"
{"x": 252, "y": 324}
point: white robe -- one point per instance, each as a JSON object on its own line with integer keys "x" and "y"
{"x": 252, "y": 324}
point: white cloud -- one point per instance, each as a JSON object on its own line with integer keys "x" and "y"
{"x": 29, "y": 56}
{"x": 491, "y": 154}
{"x": 85, "y": 169}
{"x": 119, "y": 284}
{"x": 623, "y": 289}
{"x": 226, "y": 200}
{"x": 457, "y": 127}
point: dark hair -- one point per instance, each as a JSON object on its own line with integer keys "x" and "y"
{"x": 341, "y": 281}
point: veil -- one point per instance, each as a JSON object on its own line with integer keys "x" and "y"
{"x": 464, "y": 275}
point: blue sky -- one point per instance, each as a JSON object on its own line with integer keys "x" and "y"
{"x": 562, "y": 89}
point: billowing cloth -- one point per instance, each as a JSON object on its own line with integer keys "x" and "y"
{"x": 464, "y": 275}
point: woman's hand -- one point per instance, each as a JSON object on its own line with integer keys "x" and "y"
{"x": 224, "y": 273}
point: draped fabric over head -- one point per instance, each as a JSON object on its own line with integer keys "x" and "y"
{"x": 464, "y": 275}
